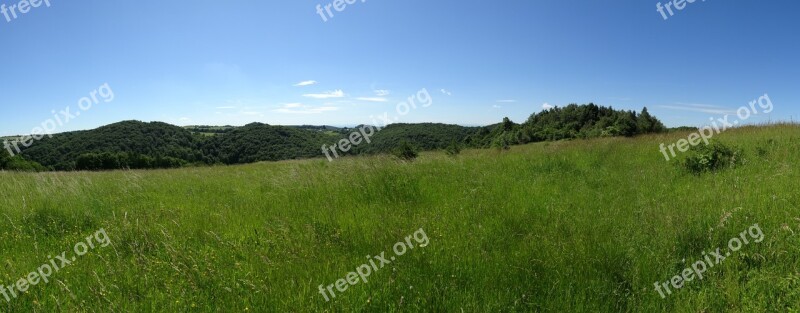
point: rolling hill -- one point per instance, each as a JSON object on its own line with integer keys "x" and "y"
{"x": 134, "y": 144}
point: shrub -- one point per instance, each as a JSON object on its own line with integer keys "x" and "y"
{"x": 712, "y": 157}
{"x": 453, "y": 149}
{"x": 501, "y": 143}
{"x": 18, "y": 163}
{"x": 405, "y": 151}
{"x": 764, "y": 150}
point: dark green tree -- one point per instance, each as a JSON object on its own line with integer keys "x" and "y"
{"x": 644, "y": 122}
{"x": 89, "y": 162}
{"x": 4, "y": 158}
{"x": 507, "y": 124}
{"x": 626, "y": 123}
{"x": 647, "y": 123}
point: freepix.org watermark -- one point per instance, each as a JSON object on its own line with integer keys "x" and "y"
{"x": 43, "y": 273}
{"x": 23, "y": 7}
{"x": 338, "y": 5}
{"x": 720, "y": 125}
{"x": 59, "y": 119}
{"x": 679, "y": 5}
{"x": 701, "y": 266}
{"x": 362, "y": 272}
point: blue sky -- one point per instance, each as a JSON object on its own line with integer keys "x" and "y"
{"x": 236, "y": 62}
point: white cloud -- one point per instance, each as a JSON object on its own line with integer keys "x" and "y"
{"x": 382, "y": 92}
{"x": 446, "y": 92}
{"x": 496, "y": 106}
{"x": 506, "y": 101}
{"x": 326, "y": 95}
{"x": 226, "y": 107}
{"x": 372, "y": 99}
{"x": 293, "y": 105}
{"x": 547, "y": 106}
{"x": 306, "y": 83}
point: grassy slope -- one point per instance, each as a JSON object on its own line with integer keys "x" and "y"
{"x": 569, "y": 226}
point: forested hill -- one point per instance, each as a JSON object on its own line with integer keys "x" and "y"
{"x": 62, "y": 151}
{"x": 134, "y": 144}
{"x": 425, "y": 136}
{"x": 260, "y": 142}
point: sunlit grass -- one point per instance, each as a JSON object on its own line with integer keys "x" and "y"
{"x": 581, "y": 226}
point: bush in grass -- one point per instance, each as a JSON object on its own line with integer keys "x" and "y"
{"x": 764, "y": 149}
{"x": 405, "y": 151}
{"x": 712, "y": 157}
{"x": 502, "y": 143}
{"x": 453, "y": 149}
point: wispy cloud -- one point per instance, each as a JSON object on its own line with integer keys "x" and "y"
{"x": 444, "y": 91}
{"x": 547, "y": 106}
{"x": 299, "y": 108}
{"x": 226, "y": 107}
{"x": 306, "y": 83}
{"x": 702, "y": 108}
{"x": 317, "y": 110}
{"x": 326, "y": 95}
{"x": 382, "y": 92}
{"x": 496, "y": 106}
{"x": 372, "y": 99}
{"x": 700, "y": 105}
{"x": 506, "y": 101}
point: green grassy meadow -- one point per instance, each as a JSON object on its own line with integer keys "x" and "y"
{"x": 572, "y": 226}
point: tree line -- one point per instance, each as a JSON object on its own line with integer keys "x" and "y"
{"x": 139, "y": 145}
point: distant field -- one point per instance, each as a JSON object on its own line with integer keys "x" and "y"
{"x": 574, "y": 226}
